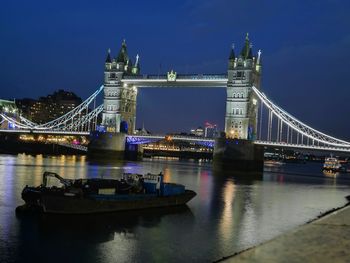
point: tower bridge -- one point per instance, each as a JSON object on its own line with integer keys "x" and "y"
{"x": 122, "y": 79}
{"x": 251, "y": 116}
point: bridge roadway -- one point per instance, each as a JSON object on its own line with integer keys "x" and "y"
{"x": 143, "y": 139}
{"x": 52, "y": 132}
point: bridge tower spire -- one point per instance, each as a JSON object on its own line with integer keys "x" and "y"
{"x": 232, "y": 58}
{"x": 241, "y": 104}
{"x": 136, "y": 68}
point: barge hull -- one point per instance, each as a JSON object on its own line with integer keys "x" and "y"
{"x": 73, "y": 205}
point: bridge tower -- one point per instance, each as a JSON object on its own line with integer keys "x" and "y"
{"x": 237, "y": 151}
{"x": 244, "y": 72}
{"x": 119, "y": 111}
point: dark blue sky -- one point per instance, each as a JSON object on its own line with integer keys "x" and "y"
{"x": 50, "y": 45}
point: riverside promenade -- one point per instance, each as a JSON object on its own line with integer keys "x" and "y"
{"x": 326, "y": 239}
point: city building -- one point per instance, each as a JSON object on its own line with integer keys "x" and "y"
{"x": 25, "y": 106}
{"x": 48, "y": 108}
{"x": 197, "y": 132}
{"x": 142, "y": 131}
{"x": 211, "y": 130}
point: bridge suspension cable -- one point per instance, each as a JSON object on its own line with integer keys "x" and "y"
{"x": 57, "y": 123}
{"x": 13, "y": 121}
{"x": 85, "y": 120}
{"x": 76, "y": 119}
{"x": 308, "y": 134}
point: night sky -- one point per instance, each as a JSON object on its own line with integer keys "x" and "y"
{"x": 50, "y": 45}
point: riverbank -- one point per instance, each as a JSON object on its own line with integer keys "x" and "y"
{"x": 325, "y": 239}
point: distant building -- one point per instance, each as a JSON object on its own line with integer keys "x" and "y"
{"x": 211, "y": 130}
{"x": 25, "y": 106}
{"x": 198, "y": 132}
{"x": 50, "y": 107}
{"x": 142, "y": 131}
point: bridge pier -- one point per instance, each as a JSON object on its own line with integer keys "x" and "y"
{"x": 133, "y": 152}
{"x": 111, "y": 145}
{"x": 238, "y": 155}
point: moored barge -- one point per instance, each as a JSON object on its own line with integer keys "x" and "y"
{"x": 87, "y": 196}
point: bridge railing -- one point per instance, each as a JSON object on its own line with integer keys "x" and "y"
{"x": 303, "y": 146}
{"x": 145, "y": 76}
{"x": 172, "y": 137}
{"x": 179, "y": 76}
{"x": 202, "y": 76}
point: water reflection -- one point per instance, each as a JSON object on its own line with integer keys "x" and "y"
{"x": 331, "y": 174}
{"x": 230, "y": 212}
{"x": 94, "y": 228}
{"x": 48, "y": 232}
{"x": 233, "y": 198}
{"x": 226, "y": 222}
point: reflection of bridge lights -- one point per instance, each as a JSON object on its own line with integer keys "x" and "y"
{"x": 226, "y": 222}
{"x": 26, "y": 138}
{"x": 167, "y": 175}
{"x": 54, "y": 139}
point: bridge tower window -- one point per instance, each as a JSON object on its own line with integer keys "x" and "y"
{"x": 240, "y": 74}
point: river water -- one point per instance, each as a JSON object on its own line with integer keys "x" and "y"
{"x": 230, "y": 212}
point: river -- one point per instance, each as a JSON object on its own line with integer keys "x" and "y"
{"x": 230, "y": 212}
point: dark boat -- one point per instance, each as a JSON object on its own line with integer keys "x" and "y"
{"x": 87, "y": 196}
